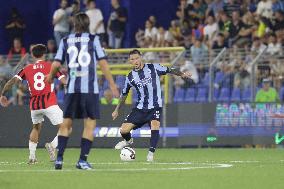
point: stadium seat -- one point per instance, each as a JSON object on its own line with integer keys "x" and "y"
{"x": 201, "y": 95}
{"x": 205, "y": 80}
{"x": 246, "y": 94}
{"x": 219, "y": 77}
{"x": 190, "y": 95}
{"x": 224, "y": 95}
{"x": 281, "y": 94}
{"x": 179, "y": 95}
{"x": 236, "y": 95}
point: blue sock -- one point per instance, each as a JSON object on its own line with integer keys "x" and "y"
{"x": 126, "y": 136}
{"x": 62, "y": 142}
{"x": 85, "y": 148}
{"x": 154, "y": 140}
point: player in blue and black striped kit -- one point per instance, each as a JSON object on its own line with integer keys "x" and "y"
{"x": 145, "y": 79}
{"x": 82, "y": 52}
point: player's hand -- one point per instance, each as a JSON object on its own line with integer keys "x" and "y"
{"x": 49, "y": 79}
{"x": 114, "y": 91}
{"x": 114, "y": 114}
{"x": 4, "y": 101}
{"x": 186, "y": 75}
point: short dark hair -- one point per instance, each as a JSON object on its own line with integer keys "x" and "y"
{"x": 39, "y": 50}
{"x": 89, "y": 1}
{"x": 81, "y": 22}
{"x": 134, "y": 51}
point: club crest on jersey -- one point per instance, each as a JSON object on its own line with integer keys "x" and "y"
{"x": 144, "y": 82}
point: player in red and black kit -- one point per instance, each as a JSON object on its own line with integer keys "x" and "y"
{"x": 43, "y": 100}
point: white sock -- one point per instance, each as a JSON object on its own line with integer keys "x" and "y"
{"x": 32, "y": 148}
{"x": 54, "y": 143}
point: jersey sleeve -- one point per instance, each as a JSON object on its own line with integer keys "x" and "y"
{"x": 127, "y": 86}
{"x": 60, "y": 55}
{"x": 59, "y": 75}
{"x": 21, "y": 75}
{"x": 99, "y": 51}
{"x": 161, "y": 70}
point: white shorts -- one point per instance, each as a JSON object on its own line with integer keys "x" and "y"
{"x": 54, "y": 114}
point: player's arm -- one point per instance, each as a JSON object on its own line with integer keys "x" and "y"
{"x": 105, "y": 69}
{"x": 176, "y": 71}
{"x": 58, "y": 61}
{"x": 3, "y": 99}
{"x": 122, "y": 98}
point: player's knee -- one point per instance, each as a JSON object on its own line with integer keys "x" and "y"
{"x": 125, "y": 129}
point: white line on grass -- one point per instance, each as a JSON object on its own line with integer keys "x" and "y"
{"x": 203, "y": 166}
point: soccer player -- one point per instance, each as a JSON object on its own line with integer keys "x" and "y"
{"x": 82, "y": 52}
{"x": 43, "y": 100}
{"x": 145, "y": 79}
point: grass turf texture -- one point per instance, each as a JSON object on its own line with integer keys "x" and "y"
{"x": 251, "y": 168}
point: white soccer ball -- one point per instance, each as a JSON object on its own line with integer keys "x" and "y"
{"x": 127, "y": 154}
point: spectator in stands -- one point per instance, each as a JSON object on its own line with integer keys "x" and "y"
{"x": 75, "y": 9}
{"x": 278, "y": 27}
{"x": 108, "y": 99}
{"x": 175, "y": 30}
{"x": 210, "y": 30}
{"x": 151, "y": 32}
{"x": 15, "y": 26}
{"x": 16, "y": 52}
{"x": 264, "y": 9}
{"x": 242, "y": 76}
{"x": 198, "y": 52}
{"x": 257, "y": 45}
{"x": 214, "y": 7}
{"x": 235, "y": 28}
{"x": 220, "y": 43}
{"x": 51, "y": 49}
{"x": 61, "y": 22}
{"x": 96, "y": 20}
{"x": 196, "y": 10}
{"x": 274, "y": 47}
{"x": 153, "y": 20}
{"x": 277, "y": 5}
{"x": 21, "y": 94}
{"x": 116, "y": 24}
{"x": 247, "y": 30}
{"x": 164, "y": 38}
{"x": 224, "y": 23}
{"x": 231, "y": 6}
{"x": 267, "y": 93}
{"x": 140, "y": 38}
{"x": 5, "y": 69}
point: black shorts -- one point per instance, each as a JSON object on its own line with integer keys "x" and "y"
{"x": 140, "y": 117}
{"x": 81, "y": 105}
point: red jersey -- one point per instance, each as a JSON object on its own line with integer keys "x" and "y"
{"x": 42, "y": 93}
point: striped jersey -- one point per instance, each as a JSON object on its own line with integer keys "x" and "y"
{"x": 146, "y": 81}
{"x": 81, "y": 52}
{"x": 42, "y": 93}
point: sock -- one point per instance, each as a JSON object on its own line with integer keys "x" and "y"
{"x": 126, "y": 136}
{"x": 54, "y": 143}
{"x": 62, "y": 142}
{"x": 85, "y": 148}
{"x": 32, "y": 148}
{"x": 154, "y": 140}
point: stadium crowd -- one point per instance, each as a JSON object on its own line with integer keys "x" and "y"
{"x": 203, "y": 27}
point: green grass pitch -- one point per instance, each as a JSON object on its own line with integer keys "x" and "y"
{"x": 173, "y": 169}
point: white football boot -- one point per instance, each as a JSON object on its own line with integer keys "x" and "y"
{"x": 123, "y": 144}
{"x": 150, "y": 157}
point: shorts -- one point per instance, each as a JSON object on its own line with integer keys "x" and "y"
{"x": 140, "y": 117}
{"x": 53, "y": 113}
{"x": 81, "y": 106}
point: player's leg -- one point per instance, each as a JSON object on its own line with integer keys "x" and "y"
{"x": 33, "y": 141}
{"x": 155, "y": 127}
{"x": 86, "y": 143}
{"x": 126, "y": 135}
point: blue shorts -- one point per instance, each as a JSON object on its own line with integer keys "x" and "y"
{"x": 140, "y": 117}
{"x": 81, "y": 106}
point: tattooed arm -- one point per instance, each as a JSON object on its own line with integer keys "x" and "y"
{"x": 177, "y": 72}
{"x": 119, "y": 105}
{"x": 3, "y": 99}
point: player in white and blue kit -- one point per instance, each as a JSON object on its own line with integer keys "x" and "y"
{"x": 82, "y": 52}
{"x": 145, "y": 79}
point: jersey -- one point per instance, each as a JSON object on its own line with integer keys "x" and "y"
{"x": 81, "y": 52}
{"x": 42, "y": 93}
{"x": 146, "y": 81}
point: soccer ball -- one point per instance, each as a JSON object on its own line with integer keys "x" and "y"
{"x": 127, "y": 154}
